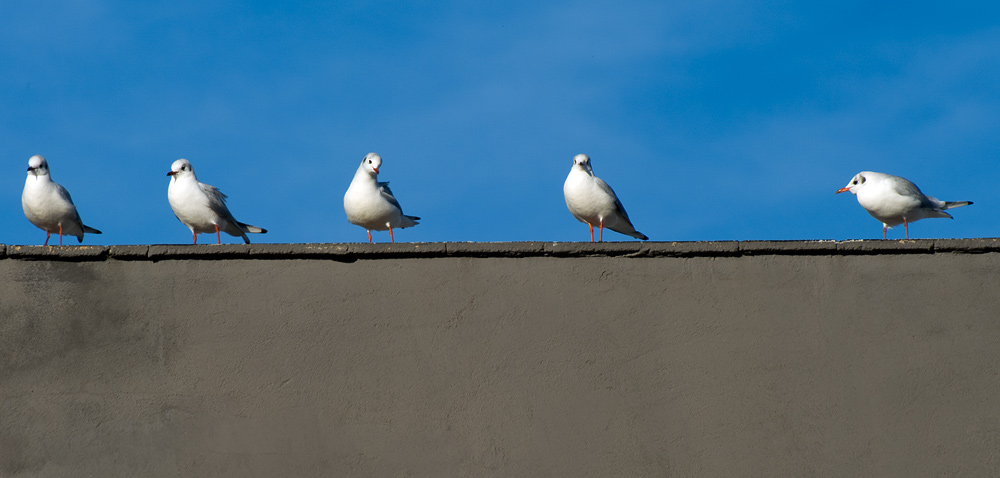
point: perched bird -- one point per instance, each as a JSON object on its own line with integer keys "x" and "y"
{"x": 202, "y": 208}
{"x": 593, "y": 202}
{"x": 370, "y": 204}
{"x": 48, "y": 205}
{"x": 894, "y": 200}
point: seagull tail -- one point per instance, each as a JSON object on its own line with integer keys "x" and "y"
{"x": 253, "y": 229}
{"x": 954, "y": 204}
{"x": 626, "y": 229}
{"x": 639, "y": 235}
{"x": 90, "y": 230}
{"x": 410, "y": 221}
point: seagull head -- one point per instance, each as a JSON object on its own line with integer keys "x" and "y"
{"x": 38, "y": 166}
{"x": 856, "y": 182}
{"x": 582, "y": 162}
{"x": 181, "y": 167}
{"x": 371, "y": 163}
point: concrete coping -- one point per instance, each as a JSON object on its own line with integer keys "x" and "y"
{"x": 348, "y": 252}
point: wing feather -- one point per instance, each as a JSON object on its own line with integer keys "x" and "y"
{"x": 611, "y": 192}
{"x": 217, "y": 202}
{"x": 383, "y": 189}
{"x": 63, "y": 193}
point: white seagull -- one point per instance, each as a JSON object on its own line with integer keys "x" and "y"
{"x": 593, "y": 202}
{"x": 202, "y": 208}
{"x": 48, "y": 205}
{"x": 894, "y": 200}
{"x": 370, "y": 204}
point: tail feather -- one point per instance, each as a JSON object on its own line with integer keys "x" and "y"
{"x": 954, "y": 204}
{"x": 90, "y": 230}
{"x": 410, "y": 221}
{"x": 253, "y": 229}
{"x": 633, "y": 233}
{"x": 628, "y": 232}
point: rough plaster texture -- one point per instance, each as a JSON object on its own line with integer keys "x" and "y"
{"x": 874, "y": 358}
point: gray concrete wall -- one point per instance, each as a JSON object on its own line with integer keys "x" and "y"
{"x": 874, "y": 358}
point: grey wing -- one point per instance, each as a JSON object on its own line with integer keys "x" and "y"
{"x": 934, "y": 203}
{"x": 217, "y": 201}
{"x": 905, "y": 187}
{"x": 383, "y": 189}
{"x": 618, "y": 203}
{"x": 64, "y": 194}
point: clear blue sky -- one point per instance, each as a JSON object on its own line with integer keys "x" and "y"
{"x": 712, "y": 120}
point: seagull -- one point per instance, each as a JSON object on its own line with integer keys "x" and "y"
{"x": 894, "y": 200}
{"x": 592, "y": 201}
{"x": 370, "y": 204}
{"x": 202, "y": 208}
{"x": 48, "y": 205}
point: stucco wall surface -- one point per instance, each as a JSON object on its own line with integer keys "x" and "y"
{"x": 869, "y": 358}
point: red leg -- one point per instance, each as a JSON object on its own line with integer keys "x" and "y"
{"x": 218, "y": 239}
{"x": 906, "y": 226}
{"x": 591, "y": 232}
{"x": 602, "y": 231}
{"x": 60, "y": 234}
{"x": 369, "y": 235}
{"x": 47, "y": 234}
{"x": 883, "y": 231}
{"x": 194, "y": 237}
{"x": 393, "y": 239}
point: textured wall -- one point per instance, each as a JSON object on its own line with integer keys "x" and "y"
{"x": 875, "y": 358}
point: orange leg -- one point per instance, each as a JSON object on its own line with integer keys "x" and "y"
{"x": 60, "y": 234}
{"x": 218, "y": 239}
{"x": 883, "y": 232}
{"x": 194, "y": 237}
{"x": 47, "y": 234}
{"x": 591, "y": 232}
{"x": 393, "y": 239}
{"x": 369, "y": 235}
{"x": 602, "y": 231}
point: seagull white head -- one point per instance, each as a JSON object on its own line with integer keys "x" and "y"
{"x": 371, "y": 163}
{"x": 181, "y": 167}
{"x": 38, "y": 166}
{"x": 856, "y": 183}
{"x": 582, "y": 162}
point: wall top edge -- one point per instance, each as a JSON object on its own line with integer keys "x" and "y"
{"x": 354, "y": 251}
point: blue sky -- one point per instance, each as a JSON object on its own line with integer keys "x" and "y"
{"x": 712, "y": 120}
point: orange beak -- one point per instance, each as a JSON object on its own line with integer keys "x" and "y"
{"x": 842, "y": 190}
{"x": 376, "y": 170}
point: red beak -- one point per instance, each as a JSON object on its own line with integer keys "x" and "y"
{"x": 171, "y": 173}
{"x": 842, "y": 190}
{"x": 376, "y": 170}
